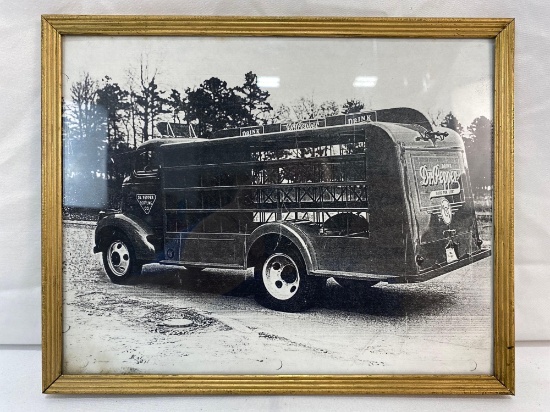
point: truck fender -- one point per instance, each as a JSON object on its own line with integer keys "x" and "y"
{"x": 295, "y": 232}
{"x": 133, "y": 228}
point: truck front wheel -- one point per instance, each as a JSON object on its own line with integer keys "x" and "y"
{"x": 119, "y": 260}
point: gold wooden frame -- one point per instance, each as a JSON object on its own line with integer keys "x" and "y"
{"x": 53, "y": 379}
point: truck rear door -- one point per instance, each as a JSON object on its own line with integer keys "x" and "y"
{"x": 443, "y": 218}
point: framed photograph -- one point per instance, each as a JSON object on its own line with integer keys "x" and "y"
{"x": 261, "y": 205}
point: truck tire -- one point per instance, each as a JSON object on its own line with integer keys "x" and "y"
{"x": 119, "y": 259}
{"x": 282, "y": 282}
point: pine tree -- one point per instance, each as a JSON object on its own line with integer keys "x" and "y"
{"x": 254, "y": 100}
{"x": 451, "y": 122}
{"x": 480, "y": 141}
{"x": 150, "y": 103}
{"x": 112, "y": 99}
{"x": 352, "y": 106}
{"x": 213, "y": 106}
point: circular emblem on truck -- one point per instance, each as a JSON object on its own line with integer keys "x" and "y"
{"x": 446, "y": 211}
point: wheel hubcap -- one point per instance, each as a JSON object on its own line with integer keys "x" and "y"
{"x": 280, "y": 276}
{"x": 118, "y": 258}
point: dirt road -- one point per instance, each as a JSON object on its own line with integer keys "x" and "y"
{"x": 170, "y": 321}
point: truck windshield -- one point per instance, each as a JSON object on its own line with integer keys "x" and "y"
{"x": 146, "y": 161}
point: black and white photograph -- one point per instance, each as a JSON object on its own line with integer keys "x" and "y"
{"x": 244, "y": 205}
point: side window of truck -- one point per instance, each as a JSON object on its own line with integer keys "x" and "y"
{"x": 146, "y": 163}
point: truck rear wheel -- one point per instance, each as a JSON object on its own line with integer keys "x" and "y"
{"x": 282, "y": 282}
{"x": 119, "y": 259}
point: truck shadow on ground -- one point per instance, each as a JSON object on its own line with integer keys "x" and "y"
{"x": 379, "y": 300}
{"x": 386, "y": 300}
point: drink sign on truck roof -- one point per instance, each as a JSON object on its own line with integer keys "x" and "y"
{"x": 397, "y": 115}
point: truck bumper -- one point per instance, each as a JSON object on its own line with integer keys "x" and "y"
{"x": 441, "y": 269}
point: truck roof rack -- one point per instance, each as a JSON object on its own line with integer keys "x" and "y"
{"x": 402, "y": 115}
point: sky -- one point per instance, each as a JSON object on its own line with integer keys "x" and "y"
{"x": 440, "y": 75}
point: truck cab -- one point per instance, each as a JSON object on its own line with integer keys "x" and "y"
{"x": 134, "y": 234}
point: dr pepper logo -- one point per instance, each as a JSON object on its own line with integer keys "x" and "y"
{"x": 146, "y": 201}
{"x": 440, "y": 175}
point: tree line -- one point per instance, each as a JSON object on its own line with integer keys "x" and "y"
{"x": 478, "y": 144}
{"x": 103, "y": 120}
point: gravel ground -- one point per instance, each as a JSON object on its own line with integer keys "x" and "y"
{"x": 169, "y": 321}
